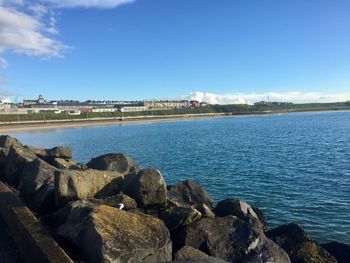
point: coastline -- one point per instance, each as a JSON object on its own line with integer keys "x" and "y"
{"x": 77, "y": 123}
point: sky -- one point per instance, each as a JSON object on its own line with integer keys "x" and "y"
{"x": 219, "y": 51}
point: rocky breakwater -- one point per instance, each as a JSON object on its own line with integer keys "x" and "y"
{"x": 110, "y": 210}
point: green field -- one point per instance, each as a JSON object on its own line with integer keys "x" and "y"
{"x": 229, "y": 109}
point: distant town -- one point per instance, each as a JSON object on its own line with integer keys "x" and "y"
{"x": 74, "y": 107}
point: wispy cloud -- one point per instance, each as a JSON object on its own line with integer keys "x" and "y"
{"x": 29, "y": 27}
{"x": 87, "y": 3}
{"x": 294, "y": 96}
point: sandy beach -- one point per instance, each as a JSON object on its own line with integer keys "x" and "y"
{"x": 62, "y": 124}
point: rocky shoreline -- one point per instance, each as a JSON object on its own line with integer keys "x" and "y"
{"x": 111, "y": 210}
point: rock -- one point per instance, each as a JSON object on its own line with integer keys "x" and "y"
{"x": 188, "y": 193}
{"x": 7, "y": 141}
{"x": 240, "y": 209}
{"x": 60, "y": 152}
{"x": 299, "y": 246}
{"x": 205, "y": 210}
{"x": 190, "y": 254}
{"x": 78, "y": 184}
{"x": 187, "y": 253}
{"x": 341, "y": 252}
{"x": 61, "y": 163}
{"x": 148, "y": 188}
{"x": 176, "y": 217}
{"x": 43, "y": 201}
{"x": 114, "y": 162}
{"x": 17, "y": 157}
{"x": 207, "y": 260}
{"x": 35, "y": 174}
{"x": 128, "y": 202}
{"x": 49, "y": 154}
{"x": 72, "y": 217}
{"x": 108, "y": 234}
{"x": 231, "y": 239}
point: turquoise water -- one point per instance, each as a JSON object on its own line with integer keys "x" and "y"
{"x": 295, "y": 167}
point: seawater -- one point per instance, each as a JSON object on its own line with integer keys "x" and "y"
{"x": 295, "y": 167}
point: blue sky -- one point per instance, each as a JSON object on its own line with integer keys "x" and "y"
{"x": 207, "y": 49}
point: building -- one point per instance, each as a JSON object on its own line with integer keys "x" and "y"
{"x": 134, "y": 108}
{"x": 40, "y": 100}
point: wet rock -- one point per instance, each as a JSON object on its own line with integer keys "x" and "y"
{"x": 148, "y": 188}
{"x": 231, "y": 239}
{"x": 205, "y": 210}
{"x": 17, "y": 157}
{"x": 176, "y": 217}
{"x": 299, "y": 246}
{"x": 240, "y": 209}
{"x": 35, "y": 174}
{"x": 108, "y": 234}
{"x": 188, "y": 193}
{"x": 114, "y": 162}
{"x": 341, "y": 252}
{"x": 78, "y": 184}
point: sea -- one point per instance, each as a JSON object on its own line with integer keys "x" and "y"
{"x": 295, "y": 167}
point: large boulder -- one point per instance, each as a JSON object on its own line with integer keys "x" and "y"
{"x": 7, "y": 141}
{"x": 240, "y": 209}
{"x": 78, "y": 184}
{"x": 17, "y": 157}
{"x": 187, "y": 194}
{"x": 107, "y": 234}
{"x": 299, "y": 246}
{"x": 35, "y": 174}
{"x": 148, "y": 188}
{"x": 231, "y": 239}
{"x": 114, "y": 162}
{"x": 341, "y": 252}
{"x": 176, "y": 217}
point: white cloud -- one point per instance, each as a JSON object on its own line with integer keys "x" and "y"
{"x": 26, "y": 34}
{"x": 294, "y": 96}
{"x": 87, "y": 3}
{"x": 3, "y": 63}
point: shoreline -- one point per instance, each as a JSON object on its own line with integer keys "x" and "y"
{"x": 77, "y": 123}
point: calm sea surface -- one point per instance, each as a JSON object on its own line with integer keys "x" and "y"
{"x": 295, "y": 167}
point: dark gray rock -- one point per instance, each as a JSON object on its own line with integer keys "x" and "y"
{"x": 205, "y": 210}
{"x": 83, "y": 184}
{"x": 240, "y": 209}
{"x": 299, "y": 246}
{"x": 176, "y": 217}
{"x": 341, "y": 252}
{"x": 35, "y": 174}
{"x": 231, "y": 239}
{"x": 188, "y": 253}
{"x": 7, "y": 141}
{"x": 188, "y": 193}
{"x": 148, "y": 188}
{"x": 49, "y": 154}
{"x": 114, "y": 162}
{"x": 17, "y": 157}
{"x": 107, "y": 234}
{"x": 61, "y": 163}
